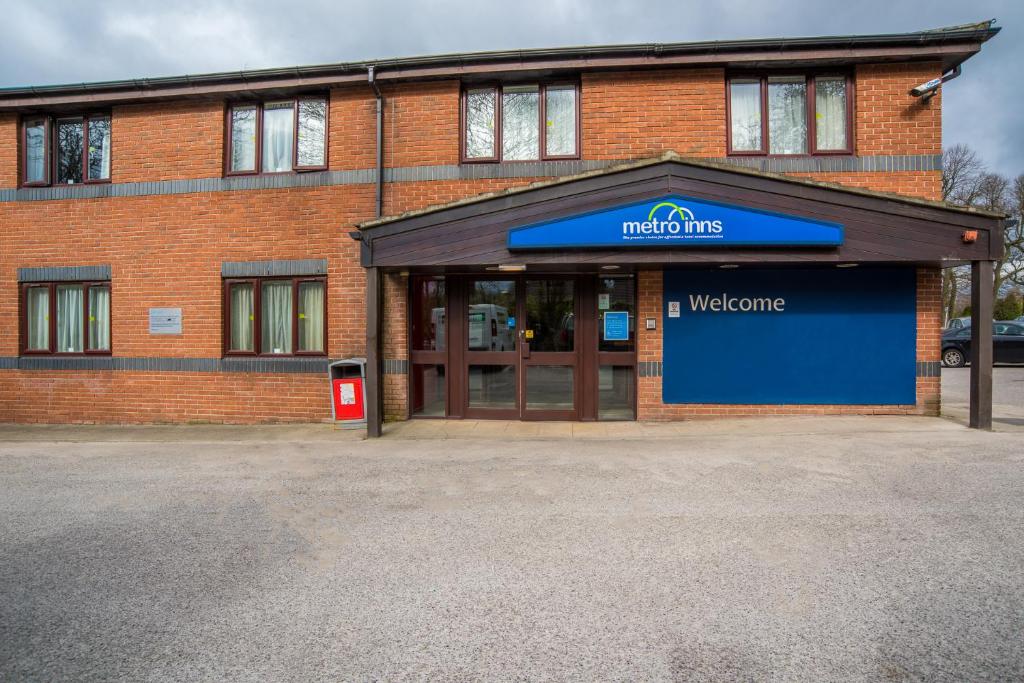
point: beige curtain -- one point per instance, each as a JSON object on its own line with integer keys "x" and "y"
{"x": 560, "y": 111}
{"x": 278, "y": 135}
{"x": 99, "y": 318}
{"x": 830, "y": 112}
{"x": 38, "y": 318}
{"x": 745, "y": 110}
{"x": 311, "y": 316}
{"x": 69, "y": 319}
{"x": 276, "y": 314}
{"x": 242, "y": 317}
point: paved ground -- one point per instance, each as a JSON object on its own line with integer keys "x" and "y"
{"x": 831, "y": 549}
{"x": 1007, "y": 395}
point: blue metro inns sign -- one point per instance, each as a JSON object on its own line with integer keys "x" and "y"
{"x": 674, "y": 220}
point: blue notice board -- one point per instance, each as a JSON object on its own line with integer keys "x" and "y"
{"x": 616, "y": 326}
{"x": 807, "y": 336}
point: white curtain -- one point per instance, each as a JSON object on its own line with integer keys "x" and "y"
{"x": 243, "y": 139}
{"x": 311, "y": 316}
{"x": 520, "y": 123}
{"x": 35, "y": 153}
{"x": 830, "y": 112}
{"x": 38, "y": 318}
{"x": 241, "y": 317}
{"x": 787, "y": 115}
{"x": 69, "y": 319}
{"x": 276, "y": 305}
{"x": 480, "y": 124}
{"x": 560, "y": 111}
{"x": 278, "y": 135}
{"x": 745, "y": 109}
{"x": 99, "y": 318}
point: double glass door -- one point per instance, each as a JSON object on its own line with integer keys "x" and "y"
{"x": 521, "y": 353}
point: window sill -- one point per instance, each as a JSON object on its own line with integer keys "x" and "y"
{"x": 256, "y": 174}
{"x": 519, "y": 161}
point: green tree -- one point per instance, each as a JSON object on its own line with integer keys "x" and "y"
{"x": 1008, "y": 308}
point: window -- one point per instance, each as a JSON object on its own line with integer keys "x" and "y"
{"x": 275, "y": 316}
{"x": 66, "y": 317}
{"x": 277, "y": 136}
{"x": 66, "y": 150}
{"x": 789, "y": 114}
{"x": 522, "y": 122}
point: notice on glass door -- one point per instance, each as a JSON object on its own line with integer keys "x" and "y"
{"x": 616, "y": 326}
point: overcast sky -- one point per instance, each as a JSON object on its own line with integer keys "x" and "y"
{"x": 63, "y": 41}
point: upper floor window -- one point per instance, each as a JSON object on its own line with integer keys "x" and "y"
{"x": 522, "y": 122}
{"x": 277, "y": 136}
{"x": 790, "y": 114}
{"x": 66, "y": 150}
{"x": 66, "y": 318}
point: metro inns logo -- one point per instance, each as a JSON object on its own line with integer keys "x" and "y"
{"x": 675, "y": 222}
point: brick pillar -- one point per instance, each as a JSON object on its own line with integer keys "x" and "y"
{"x": 396, "y": 347}
{"x": 649, "y": 346}
{"x": 929, "y": 340}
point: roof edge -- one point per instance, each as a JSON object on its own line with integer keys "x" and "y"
{"x": 974, "y": 34}
{"x": 672, "y": 156}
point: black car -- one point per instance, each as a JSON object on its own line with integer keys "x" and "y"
{"x": 1007, "y": 344}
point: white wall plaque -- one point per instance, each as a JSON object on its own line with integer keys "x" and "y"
{"x": 165, "y": 321}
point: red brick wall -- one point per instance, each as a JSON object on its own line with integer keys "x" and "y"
{"x": 888, "y": 120}
{"x": 166, "y": 141}
{"x": 395, "y": 344}
{"x": 650, "y": 407}
{"x": 141, "y": 397}
{"x": 9, "y": 165}
{"x": 643, "y": 114}
{"x": 167, "y": 250}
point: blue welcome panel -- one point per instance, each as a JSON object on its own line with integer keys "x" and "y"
{"x": 798, "y": 337}
{"x": 676, "y": 221}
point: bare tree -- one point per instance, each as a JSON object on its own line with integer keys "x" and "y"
{"x": 961, "y": 170}
{"x": 961, "y": 174}
{"x": 1012, "y": 266}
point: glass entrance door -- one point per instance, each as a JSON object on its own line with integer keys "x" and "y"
{"x": 521, "y": 357}
{"x": 548, "y": 351}
{"x": 492, "y": 348}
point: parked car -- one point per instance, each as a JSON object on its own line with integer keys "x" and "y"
{"x": 1007, "y": 344}
{"x": 958, "y": 323}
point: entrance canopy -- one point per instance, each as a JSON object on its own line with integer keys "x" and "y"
{"x": 674, "y": 211}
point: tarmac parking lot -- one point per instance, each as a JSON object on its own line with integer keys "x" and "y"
{"x": 1007, "y": 396}
{"x": 778, "y": 548}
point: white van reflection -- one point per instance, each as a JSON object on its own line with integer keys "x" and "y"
{"x": 489, "y": 328}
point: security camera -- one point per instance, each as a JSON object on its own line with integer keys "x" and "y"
{"x": 928, "y": 88}
{"x": 926, "y": 91}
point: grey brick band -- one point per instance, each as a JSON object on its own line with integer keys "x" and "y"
{"x": 273, "y": 268}
{"x": 929, "y": 368}
{"x": 63, "y": 273}
{"x": 395, "y": 366}
{"x": 531, "y": 169}
{"x": 649, "y": 368}
{"x": 88, "y": 363}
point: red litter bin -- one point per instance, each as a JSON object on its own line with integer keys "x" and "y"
{"x": 348, "y": 398}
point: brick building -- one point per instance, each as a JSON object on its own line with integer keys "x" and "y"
{"x": 624, "y": 232}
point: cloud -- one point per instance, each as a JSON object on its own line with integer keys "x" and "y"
{"x": 66, "y": 41}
